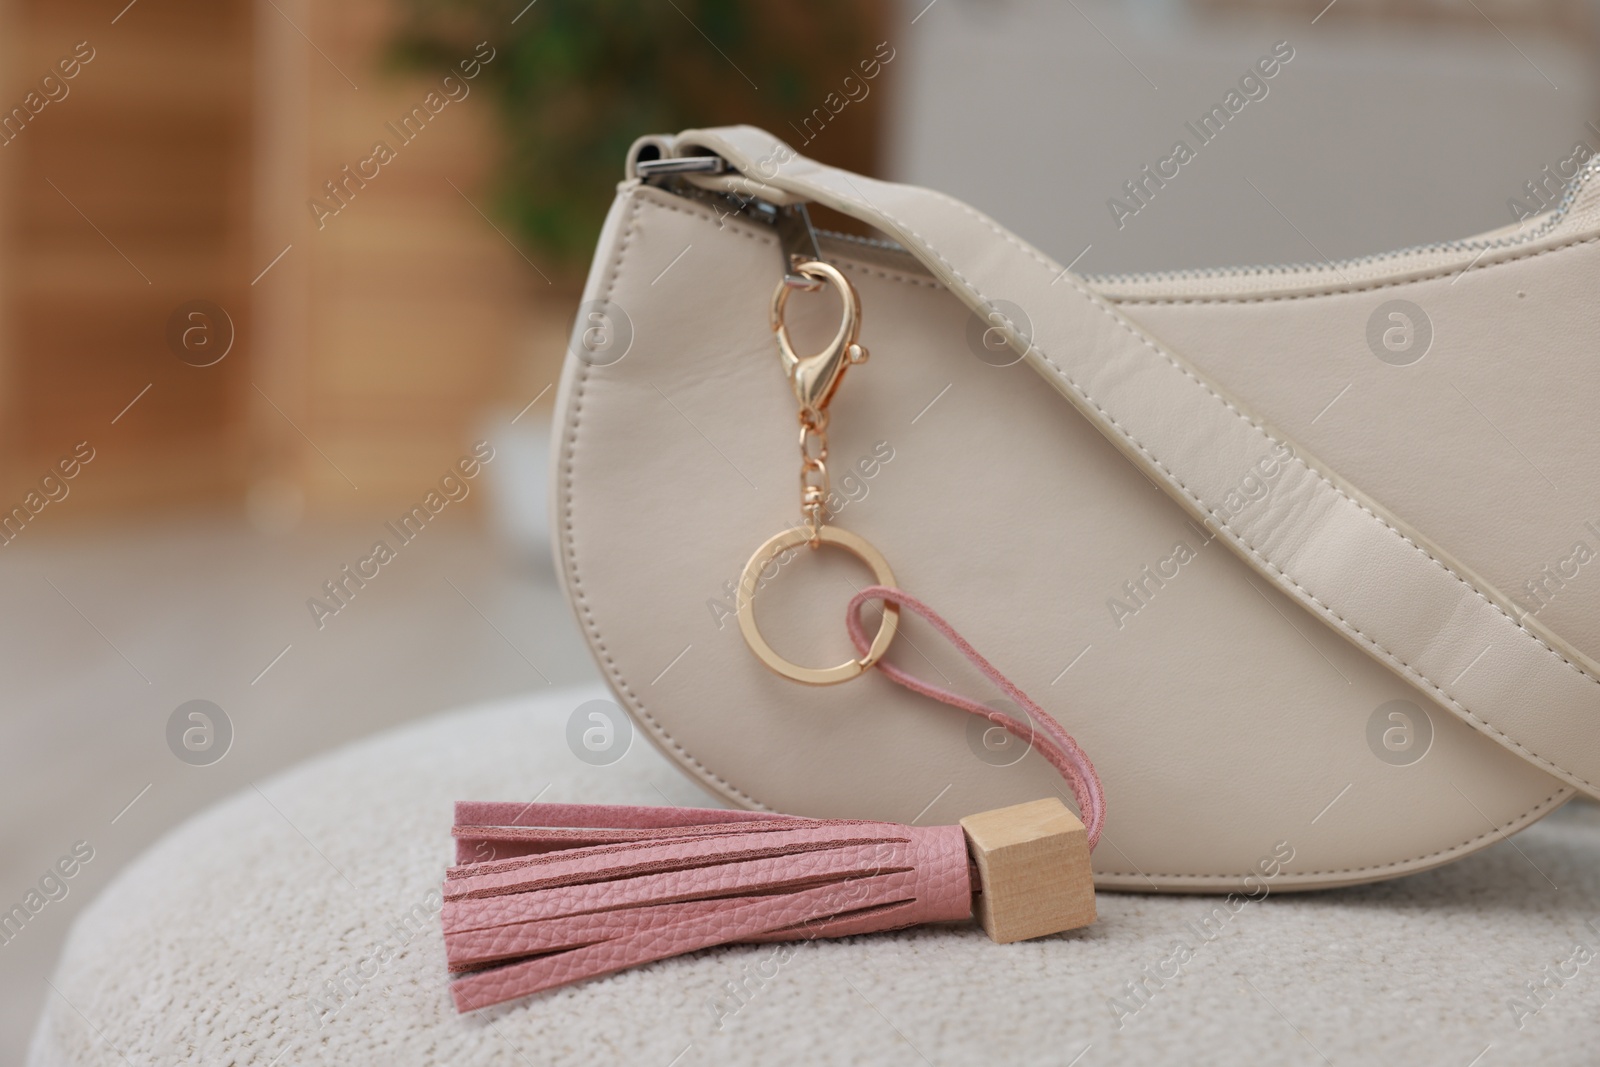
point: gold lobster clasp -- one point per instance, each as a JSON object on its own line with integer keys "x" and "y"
{"x": 814, "y": 379}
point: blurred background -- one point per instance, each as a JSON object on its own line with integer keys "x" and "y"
{"x": 277, "y": 265}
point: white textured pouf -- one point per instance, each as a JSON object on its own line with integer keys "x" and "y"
{"x": 296, "y": 924}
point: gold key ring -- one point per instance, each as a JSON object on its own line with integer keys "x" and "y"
{"x": 814, "y": 380}
{"x": 794, "y": 538}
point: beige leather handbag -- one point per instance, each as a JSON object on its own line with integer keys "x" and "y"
{"x": 1307, "y": 558}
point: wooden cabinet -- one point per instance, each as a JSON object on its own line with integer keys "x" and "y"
{"x": 124, "y": 196}
{"x": 180, "y": 166}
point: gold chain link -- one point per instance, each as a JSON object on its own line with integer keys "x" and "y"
{"x": 814, "y": 484}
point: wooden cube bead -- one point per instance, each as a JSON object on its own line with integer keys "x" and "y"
{"x": 1033, "y": 866}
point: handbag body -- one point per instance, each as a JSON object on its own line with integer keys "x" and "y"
{"x": 1307, "y": 559}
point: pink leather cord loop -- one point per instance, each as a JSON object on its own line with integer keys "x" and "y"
{"x": 1056, "y": 745}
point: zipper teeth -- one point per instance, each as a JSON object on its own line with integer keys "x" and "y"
{"x": 871, "y": 242}
{"x": 1549, "y": 221}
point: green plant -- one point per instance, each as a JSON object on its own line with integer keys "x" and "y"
{"x": 577, "y": 80}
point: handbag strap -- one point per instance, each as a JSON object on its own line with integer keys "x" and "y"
{"x": 1315, "y": 537}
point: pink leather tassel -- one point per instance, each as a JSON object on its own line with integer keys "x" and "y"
{"x": 579, "y": 891}
{"x": 544, "y": 895}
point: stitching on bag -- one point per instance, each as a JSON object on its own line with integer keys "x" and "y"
{"x": 1368, "y": 287}
{"x": 1559, "y": 794}
{"x": 575, "y": 582}
{"x": 649, "y": 196}
{"x": 893, "y": 276}
{"x": 1345, "y": 624}
{"x": 569, "y": 538}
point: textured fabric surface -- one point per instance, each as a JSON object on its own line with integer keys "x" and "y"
{"x": 296, "y": 924}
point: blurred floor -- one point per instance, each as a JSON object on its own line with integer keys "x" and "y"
{"x": 106, "y": 633}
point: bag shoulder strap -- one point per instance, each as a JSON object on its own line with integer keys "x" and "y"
{"x": 1316, "y": 538}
